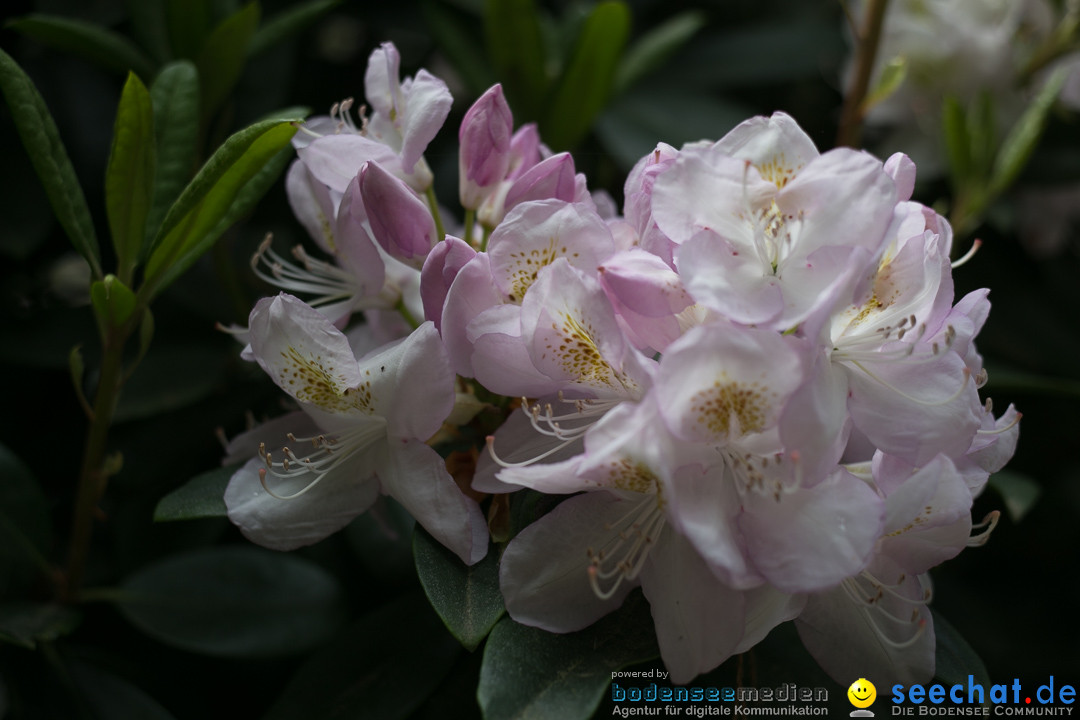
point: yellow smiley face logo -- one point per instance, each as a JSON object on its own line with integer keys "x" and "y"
{"x": 862, "y": 693}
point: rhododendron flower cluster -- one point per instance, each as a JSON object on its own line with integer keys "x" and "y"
{"x": 754, "y": 385}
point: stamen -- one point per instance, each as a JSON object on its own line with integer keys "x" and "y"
{"x": 326, "y": 281}
{"x": 327, "y": 454}
{"x": 901, "y": 393}
{"x": 642, "y": 525}
{"x": 986, "y": 526}
{"x": 872, "y": 609}
{"x": 523, "y": 463}
{"x": 999, "y": 431}
{"x": 968, "y": 255}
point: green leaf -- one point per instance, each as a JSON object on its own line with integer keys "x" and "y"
{"x": 1019, "y": 492}
{"x": 889, "y": 81}
{"x": 238, "y": 601}
{"x": 1018, "y": 145}
{"x": 528, "y": 672}
{"x": 516, "y": 48}
{"x": 955, "y": 658}
{"x": 171, "y": 377}
{"x": 652, "y": 49}
{"x": 129, "y": 178}
{"x": 99, "y": 45}
{"x": 467, "y": 598}
{"x": 111, "y": 697}
{"x": 50, "y": 159}
{"x": 288, "y": 22}
{"x": 957, "y": 142}
{"x": 982, "y": 133}
{"x": 584, "y": 89}
{"x": 203, "y": 496}
{"x": 223, "y": 56}
{"x": 215, "y": 197}
{"x": 175, "y": 96}
{"x": 27, "y": 624}
{"x": 113, "y": 301}
{"x": 381, "y": 668}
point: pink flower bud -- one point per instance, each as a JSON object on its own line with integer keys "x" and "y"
{"x": 485, "y": 146}
{"x": 441, "y": 267}
{"x": 551, "y": 178}
{"x": 524, "y": 150}
{"x": 400, "y": 221}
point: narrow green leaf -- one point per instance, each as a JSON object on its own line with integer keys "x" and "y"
{"x": 129, "y": 177}
{"x": 381, "y": 668}
{"x": 982, "y": 131}
{"x": 203, "y": 496}
{"x": 889, "y": 81}
{"x": 175, "y": 96}
{"x": 458, "y": 38}
{"x": 77, "y": 370}
{"x": 146, "y": 333}
{"x": 42, "y": 142}
{"x": 1019, "y": 492}
{"x": 189, "y": 22}
{"x": 113, "y": 301}
{"x": 528, "y": 672}
{"x": 223, "y": 55}
{"x": 26, "y": 624}
{"x": 516, "y": 47}
{"x": 585, "y": 87}
{"x": 650, "y": 50}
{"x": 99, "y": 45}
{"x": 1018, "y": 145}
{"x": 214, "y": 197}
{"x": 236, "y": 601}
{"x": 467, "y": 598}
{"x": 957, "y": 142}
{"x": 955, "y": 658}
{"x": 288, "y": 22}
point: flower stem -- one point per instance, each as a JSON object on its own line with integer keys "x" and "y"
{"x": 433, "y": 203}
{"x": 93, "y": 475}
{"x": 866, "y": 46}
{"x": 470, "y": 221}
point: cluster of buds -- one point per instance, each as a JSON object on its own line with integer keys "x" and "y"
{"x": 753, "y": 384}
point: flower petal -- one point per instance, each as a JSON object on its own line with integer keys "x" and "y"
{"x": 813, "y": 538}
{"x": 413, "y": 474}
{"x": 544, "y": 570}
{"x": 288, "y": 524}
{"x": 305, "y": 354}
{"x": 699, "y": 620}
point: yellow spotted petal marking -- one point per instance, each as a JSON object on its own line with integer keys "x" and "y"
{"x": 630, "y": 475}
{"x": 747, "y": 404}
{"x": 312, "y": 381}
{"x": 579, "y": 356}
{"x": 527, "y": 263}
{"x": 777, "y": 170}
